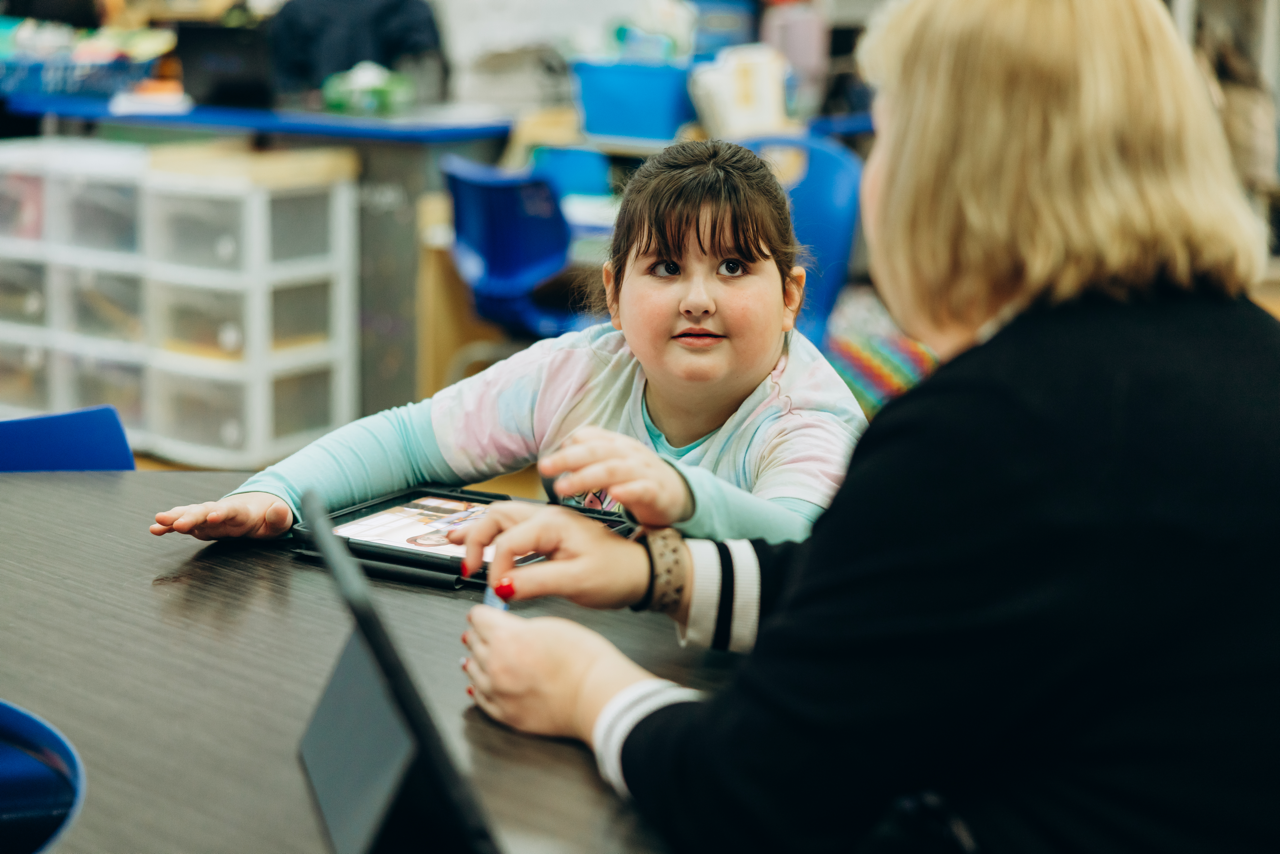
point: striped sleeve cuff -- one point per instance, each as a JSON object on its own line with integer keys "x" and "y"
{"x": 621, "y": 714}
{"x": 724, "y": 609}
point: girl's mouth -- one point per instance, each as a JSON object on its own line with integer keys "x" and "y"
{"x": 698, "y": 338}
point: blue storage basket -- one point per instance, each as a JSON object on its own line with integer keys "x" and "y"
{"x": 638, "y": 101}
{"x": 62, "y": 76}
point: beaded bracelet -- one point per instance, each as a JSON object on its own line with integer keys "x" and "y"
{"x": 667, "y": 572}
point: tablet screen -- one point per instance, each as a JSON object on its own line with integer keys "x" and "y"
{"x": 419, "y": 525}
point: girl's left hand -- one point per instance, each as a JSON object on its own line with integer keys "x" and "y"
{"x": 545, "y": 676}
{"x": 649, "y": 487}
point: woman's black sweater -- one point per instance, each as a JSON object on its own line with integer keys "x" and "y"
{"x": 1049, "y": 592}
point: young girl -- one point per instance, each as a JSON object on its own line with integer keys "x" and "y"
{"x": 695, "y": 406}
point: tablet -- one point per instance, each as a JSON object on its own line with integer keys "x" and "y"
{"x": 381, "y": 778}
{"x": 410, "y": 526}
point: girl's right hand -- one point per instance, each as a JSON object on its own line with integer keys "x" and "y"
{"x": 593, "y": 459}
{"x": 247, "y": 514}
{"x": 586, "y": 562}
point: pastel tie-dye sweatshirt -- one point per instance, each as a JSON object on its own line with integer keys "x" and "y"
{"x": 766, "y": 473}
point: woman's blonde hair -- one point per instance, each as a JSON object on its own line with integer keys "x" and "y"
{"x": 1045, "y": 147}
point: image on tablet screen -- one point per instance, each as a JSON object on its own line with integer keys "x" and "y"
{"x": 420, "y": 525}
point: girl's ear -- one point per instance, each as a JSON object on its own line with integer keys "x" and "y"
{"x": 611, "y": 297}
{"x": 792, "y": 298}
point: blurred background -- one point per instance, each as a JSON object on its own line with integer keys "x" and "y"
{"x": 244, "y": 224}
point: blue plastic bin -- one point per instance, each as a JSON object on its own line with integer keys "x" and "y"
{"x": 639, "y": 101}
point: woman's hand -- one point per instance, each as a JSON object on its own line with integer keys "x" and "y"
{"x": 587, "y": 563}
{"x": 545, "y": 676}
{"x": 247, "y": 514}
{"x": 592, "y": 459}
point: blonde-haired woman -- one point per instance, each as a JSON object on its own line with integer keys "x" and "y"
{"x": 1042, "y": 614}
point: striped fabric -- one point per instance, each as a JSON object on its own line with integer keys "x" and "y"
{"x": 878, "y": 368}
{"x": 870, "y": 353}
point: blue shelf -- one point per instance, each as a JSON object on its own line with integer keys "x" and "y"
{"x": 432, "y": 125}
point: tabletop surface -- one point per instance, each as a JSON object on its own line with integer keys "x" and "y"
{"x": 185, "y": 674}
{"x": 443, "y": 123}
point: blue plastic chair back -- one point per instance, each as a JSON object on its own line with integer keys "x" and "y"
{"x": 824, "y": 213}
{"x": 509, "y": 232}
{"x": 509, "y": 237}
{"x": 84, "y": 440}
{"x": 570, "y": 171}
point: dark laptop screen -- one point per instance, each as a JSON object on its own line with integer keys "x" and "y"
{"x": 356, "y": 750}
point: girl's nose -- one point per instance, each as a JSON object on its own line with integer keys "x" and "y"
{"x": 697, "y": 301}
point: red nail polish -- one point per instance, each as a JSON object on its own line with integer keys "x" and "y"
{"x": 505, "y": 589}
{"x": 464, "y": 638}
{"x": 471, "y": 692}
{"x": 466, "y": 573}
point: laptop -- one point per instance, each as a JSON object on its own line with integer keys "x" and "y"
{"x": 381, "y": 778}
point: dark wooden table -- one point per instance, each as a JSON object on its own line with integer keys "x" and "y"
{"x": 185, "y": 674}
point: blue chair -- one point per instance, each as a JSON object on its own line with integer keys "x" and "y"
{"x": 824, "y": 213}
{"x": 41, "y": 781}
{"x": 84, "y": 440}
{"x": 510, "y": 236}
{"x": 850, "y": 124}
{"x": 572, "y": 171}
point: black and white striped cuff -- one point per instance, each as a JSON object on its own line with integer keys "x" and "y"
{"x": 724, "y": 610}
{"x": 621, "y": 714}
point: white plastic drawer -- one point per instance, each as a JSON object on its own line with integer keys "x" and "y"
{"x": 303, "y": 402}
{"x": 198, "y": 231}
{"x": 300, "y": 314}
{"x": 104, "y": 305}
{"x": 300, "y": 226}
{"x": 200, "y": 411}
{"x": 21, "y": 205}
{"x": 24, "y": 376}
{"x": 198, "y": 321}
{"x": 23, "y": 298}
{"x": 95, "y": 382}
{"x": 95, "y": 214}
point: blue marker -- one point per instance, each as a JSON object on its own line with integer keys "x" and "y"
{"x": 493, "y": 600}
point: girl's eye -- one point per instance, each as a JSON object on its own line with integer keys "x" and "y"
{"x": 665, "y": 269}
{"x": 732, "y": 268}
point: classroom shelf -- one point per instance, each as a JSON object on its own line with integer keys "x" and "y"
{"x": 207, "y": 292}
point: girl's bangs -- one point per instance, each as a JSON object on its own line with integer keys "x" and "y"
{"x": 724, "y": 226}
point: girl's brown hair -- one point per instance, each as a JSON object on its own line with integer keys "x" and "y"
{"x": 714, "y": 187}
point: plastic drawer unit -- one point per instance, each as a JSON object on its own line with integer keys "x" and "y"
{"x": 23, "y": 298}
{"x": 96, "y": 381}
{"x": 24, "y": 379}
{"x": 251, "y": 305}
{"x": 206, "y": 291}
{"x": 197, "y": 411}
{"x": 93, "y": 198}
{"x": 22, "y": 191}
{"x": 101, "y": 304}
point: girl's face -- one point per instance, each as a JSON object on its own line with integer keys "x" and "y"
{"x": 704, "y": 319}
